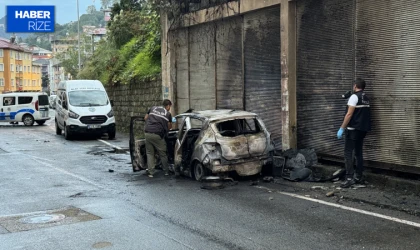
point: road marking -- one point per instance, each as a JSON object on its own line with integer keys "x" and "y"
{"x": 109, "y": 144}
{"x": 386, "y": 217}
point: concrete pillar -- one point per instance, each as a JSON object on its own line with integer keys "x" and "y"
{"x": 288, "y": 73}
{"x": 168, "y": 62}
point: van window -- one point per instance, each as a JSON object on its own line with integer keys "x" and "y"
{"x": 88, "y": 98}
{"x": 9, "y": 101}
{"x": 24, "y": 99}
{"x": 43, "y": 100}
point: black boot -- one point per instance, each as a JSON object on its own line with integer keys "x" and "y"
{"x": 347, "y": 183}
{"x": 358, "y": 179}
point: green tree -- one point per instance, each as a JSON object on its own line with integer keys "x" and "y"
{"x": 91, "y": 9}
{"x": 105, "y": 3}
{"x": 70, "y": 61}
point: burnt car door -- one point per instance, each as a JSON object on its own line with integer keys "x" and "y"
{"x": 138, "y": 144}
{"x": 182, "y": 135}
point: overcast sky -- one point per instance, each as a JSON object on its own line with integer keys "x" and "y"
{"x": 65, "y": 10}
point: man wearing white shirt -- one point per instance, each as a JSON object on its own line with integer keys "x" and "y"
{"x": 356, "y": 124}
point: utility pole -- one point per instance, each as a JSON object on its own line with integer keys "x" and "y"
{"x": 78, "y": 34}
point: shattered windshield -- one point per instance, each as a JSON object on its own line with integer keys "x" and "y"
{"x": 88, "y": 98}
{"x": 237, "y": 127}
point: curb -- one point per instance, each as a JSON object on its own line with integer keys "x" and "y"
{"x": 379, "y": 180}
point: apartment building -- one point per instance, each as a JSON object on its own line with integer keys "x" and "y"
{"x": 17, "y": 72}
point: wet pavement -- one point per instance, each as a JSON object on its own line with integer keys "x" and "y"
{"x": 82, "y": 194}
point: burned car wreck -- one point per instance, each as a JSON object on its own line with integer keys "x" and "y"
{"x": 212, "y": 142}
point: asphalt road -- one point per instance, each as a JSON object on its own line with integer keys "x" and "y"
{"x": 42, "y": 174}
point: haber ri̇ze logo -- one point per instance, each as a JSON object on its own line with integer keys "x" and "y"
{"x": 30, "y": 18}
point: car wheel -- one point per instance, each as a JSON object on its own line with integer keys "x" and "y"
{"x": 57, "y": 129}
{"x": 200, "y": 171}
{"x": 111, "y": 135}
{"x": 67, "y": 134}
{"x": 28, "y": 120}
{"x": 40, "y": 122}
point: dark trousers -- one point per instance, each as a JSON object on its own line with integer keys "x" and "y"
{"x": 155, "y": 142}
{"x": 354, "y": 142}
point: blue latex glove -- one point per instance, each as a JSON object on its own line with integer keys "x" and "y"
{"x": 340, "y": 133}
{"x": 173, "y": 119}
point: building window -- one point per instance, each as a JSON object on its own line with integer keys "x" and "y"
{"x": 24, "y": 68}
{"x": 12, "y": 67}
{"x": 12, "y": 82}
{"x": 20, "y": 68}
{"x": 1, "y": 67}
{"x": 11, "y": 54}
{"x": 1, "y": 52}
{"x": 29, "y": 69}
{"x": 1, "y": 82}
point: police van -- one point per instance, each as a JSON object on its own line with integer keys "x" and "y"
{"x": 26, "y": 107}
{"x": 83, "y": 107}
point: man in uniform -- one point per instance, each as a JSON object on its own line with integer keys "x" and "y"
{"x": 158, "y": 123}
{"x": 356, "y": 124}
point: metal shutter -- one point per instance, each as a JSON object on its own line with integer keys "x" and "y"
{"x": 325, "y": 71}
{"x": 229, "y": 64}
{"x": 263, "y": 69}
{"x": 182, "y": 68}
{"x": 388, "y": 49}
{"x": 202, "y": 67}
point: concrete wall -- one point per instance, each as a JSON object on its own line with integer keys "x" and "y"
{"x": 134, "y": 99}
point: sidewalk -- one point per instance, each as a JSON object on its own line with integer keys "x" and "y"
{"x": 380, "y": 190}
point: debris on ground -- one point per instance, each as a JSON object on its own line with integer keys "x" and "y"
{"x": 268, "y": 179}
{"x": 211, "y": 183}
{"x": 254, "y": 183}
{"x": 111, "y": 170}
{"x": 319, "y": 188}
{"x": 76, "y": 195}
{"x": 330, "y": 194}
{"x": 271, "y": 198}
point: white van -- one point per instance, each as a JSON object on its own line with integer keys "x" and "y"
{"x": 26, "y": 107}
{"x": 82, "y": 106}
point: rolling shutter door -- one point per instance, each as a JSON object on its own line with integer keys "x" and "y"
{"x": 325, "y": 71}
{"x": 229, "y": 64}
{"x": 202, "y": 67}
{"x": 263, "y": 69}
{"x": 388, "y": 52}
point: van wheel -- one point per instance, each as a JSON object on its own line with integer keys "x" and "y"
{"x": 28, "y": 120}
{"x": 200, "y": 171}
{"x": 67, "y": 134}
{"x": 111, "y": 135}
{"x": 57, "y": 129}
{"x": 40, "y": 123}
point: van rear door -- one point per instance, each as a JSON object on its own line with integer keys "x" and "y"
{"x": 43, "y": 105}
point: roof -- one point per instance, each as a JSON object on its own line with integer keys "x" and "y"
{"x": 221, "y": 114}
{"x": 42, "y": 61}
{"x": 23, "y": 93}
{"x": 6, "y": 44}
{"x": 72, "y": 85}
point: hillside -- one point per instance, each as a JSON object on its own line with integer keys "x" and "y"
{"x": 7, "y": 35}
{"x": 42, "y": 39}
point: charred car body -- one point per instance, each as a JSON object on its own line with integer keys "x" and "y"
{"x": 213, "y": 142}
